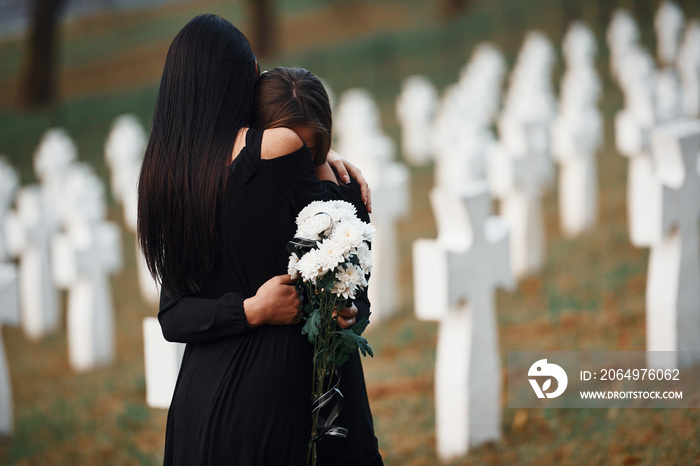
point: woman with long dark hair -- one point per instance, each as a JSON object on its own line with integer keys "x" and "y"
{"x": 217, "y": 203}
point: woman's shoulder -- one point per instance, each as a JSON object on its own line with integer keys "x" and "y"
{"x": 278, "y": 142}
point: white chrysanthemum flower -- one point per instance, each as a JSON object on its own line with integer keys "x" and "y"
{"x": 309, "y": 266}
{"x": 339, "y": 233}
{"x": 342, "y": 289}
{"x": 364, "y": 255}
{"x": 347, "y": 235}
{"x": 368, "y": 231}
{"x": 331, "y": 254}
{"x": 292, "y": 267}
{"x": 309, "y": 211}
{"x": 313, "y": 227}
{"x": 354, "y": 276}
{"x": 349, "y": 279}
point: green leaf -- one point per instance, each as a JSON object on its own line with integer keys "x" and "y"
{"x": 311, "y": 328}
{"x": 359, "y": 327}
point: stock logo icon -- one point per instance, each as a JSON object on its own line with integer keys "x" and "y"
{"x": 542, "y": 369}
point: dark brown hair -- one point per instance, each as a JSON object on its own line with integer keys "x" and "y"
{"x": 205, "y": 98}
{"x": 291, "y": 97}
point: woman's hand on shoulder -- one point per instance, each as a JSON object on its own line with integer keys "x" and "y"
{"x": 276, "y": 303}
{"x": 277, "y": 142}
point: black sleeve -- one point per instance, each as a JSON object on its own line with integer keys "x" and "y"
{"x": 187, "y": 319}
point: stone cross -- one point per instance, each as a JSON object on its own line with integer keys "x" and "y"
{"x": 622, "y": 36}
{"x": 455, "y": 277}
{"x": 124, "y": 151}
{"x": 415, "y": 109}
{"x": 577, "y": 133}
{"x": 162, "y": 363}
{"x": 38, "y": 294}
{"x": 633, "y": 126}
{"x": 668, "y": 23}
{"x": 457, "y": 156}
{"x": 689, "y": 68}
{"x": 84, "y": 257}
{"x": 579, "y": 46}
{"x": 482, "y": 81}
{"x": 669, "y": 94}
{"x": 52, "y": 162}
{"x": 521, "y": 169}
{"x": 363, "y": 143}
{"x": 9, "y": 315}
{"x": 673, "y": 281}
{"x": 10, "y": 230}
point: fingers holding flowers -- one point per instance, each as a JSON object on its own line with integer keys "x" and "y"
{"x": 347, "y": 317}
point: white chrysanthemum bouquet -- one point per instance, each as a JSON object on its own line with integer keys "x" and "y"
{"x": 330, "y": 259}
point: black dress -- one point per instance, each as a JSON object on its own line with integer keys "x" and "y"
{"x": 243, "y": 394}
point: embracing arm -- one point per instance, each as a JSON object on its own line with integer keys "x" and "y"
{"x": 187, "y": 319}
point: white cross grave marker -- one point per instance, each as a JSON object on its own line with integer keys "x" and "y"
{"x": 668, "y": 23}
{"x": 622, "y": 36}
{"x": 415, "y": 109}
{"x": 39, "y": 296}
{"x": 633, "y": 126}
{"x": 9, "y": 315}
{"x": 84, "y": 257}
{"x": 9, "y": 295}
{"x": 463, "y": 134}
{"x": 11, "y": 235}
{"x": 162, "y": 362}
{"x": 521, "y": 169}
{"x": 124, "y": 151}
{"x": 577, "y": 133}
{"x": 689, "y": 68}
{"x": 673, "y": 281}
{"x": 519, "y": 180}
{"x": 52, "y": 162}
{"x": 455, "y": 277}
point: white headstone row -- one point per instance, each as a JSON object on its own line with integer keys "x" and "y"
{"x": 362, "y": 141}
{"x": 658, "y": 132}
{"x": 60, "y": 237}
{"x": 521, "y": 169}
{"x": 462, "y": 135}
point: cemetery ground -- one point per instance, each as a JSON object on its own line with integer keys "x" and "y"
{"x": 590, "y": 295}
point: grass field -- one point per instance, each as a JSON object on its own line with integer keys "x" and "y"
{"x": 590, "y": 295}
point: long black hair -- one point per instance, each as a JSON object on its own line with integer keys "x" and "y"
{"x": 205, "y": 98}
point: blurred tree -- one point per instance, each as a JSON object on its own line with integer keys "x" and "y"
{"x": 39, "y": 76}
{"x": 264, "y": 17}
{"x": 450, "y": 8}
